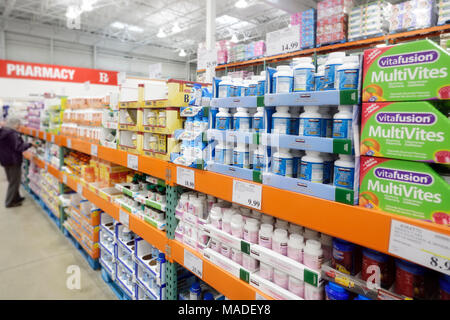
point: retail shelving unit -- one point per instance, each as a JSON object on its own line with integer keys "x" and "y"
{"x": 362, "y": 226}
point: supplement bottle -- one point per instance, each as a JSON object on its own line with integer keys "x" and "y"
{"x": 294, "y": 228}
{"x": 311, "y": 234}
{"x": 372, "y": 258}
{"x": 311, "y": 167}
{"x": 237, "y": 226}
{"x": 319, "y": 79}
{"x": 296, "y": 158}
{"x": 259, "y": 159}
{"x": 280, "y": 278}
{"x": 237, "y": 87}
{"x": 328, "y": 165}
{"x": 226, "y": 219}
{"x": 296, "y": 286}
{"x": 313, "y": 254}
{"x": 444, "y": 287}
{"x": 225, "y": 250}
{"x": 310, "y": 122}
{"x": 304, "y": 75}
{"x": 242, "y": 120}
{"x": 267, "y": 219}
{"x": 344, "y": 171}
{"x": 256, "y": 215}
{"x": 223, "y": 119}
{"x": 342, "y": 123}
{"x": 195, "y": 291}
{"x": 281, "y": 120}
{"x": 253, "y": 86}
{"x": 225, "y": 87}
{"x": 249, "y": 263}
{"x": 236, "y": 255}
{"x": 280, "y": 241}
{"x": 281, "y": 224}
{"x": 223, "y": 154}
{"x": 295, "y": 247}
{"x": 282, "y": 162}
{"x": 284, "y": 79}
{"x": 241, "y": 156}
{"x": 262, "y": 83}
{"x": 348, "y": 73}
{"x": 346, "y": 257}
{"x": 409, "y": 279}
{"x": 266, "y": 271}
{"x": 258, "y": 121}
{"x": 335, "y": 59}
{"x": 245, "y": 87}
{"x": 251, "y": 229}
{"x": 327, "y": 122}
{"x": 216, "y": 217}
{"x": 265, "y": 235}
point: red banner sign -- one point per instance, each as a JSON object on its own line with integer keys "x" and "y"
{"x": 48, "y": 72}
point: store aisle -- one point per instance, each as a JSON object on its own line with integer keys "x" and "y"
{"x": 35, "y": 255}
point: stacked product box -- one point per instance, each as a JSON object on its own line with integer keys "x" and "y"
{"x": 406, "y": 131}
{"x": 413, "y": 14}
{"x": 222, "y": 51}
{"x": 52, "y": 115}
{"x": 443, "y": 12}
{"x": 332, "y": 18}
{"x": 33, "y": 117}
{"x": 368, "y": 20}
{"x": 307, "y": 22}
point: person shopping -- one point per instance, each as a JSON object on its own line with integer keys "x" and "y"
{"x": 11, "y": 148}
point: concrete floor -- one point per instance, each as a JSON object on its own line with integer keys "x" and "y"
{"x": 35, "y": 255}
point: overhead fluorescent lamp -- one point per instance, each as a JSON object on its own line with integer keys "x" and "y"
{"x": 241, "y": 4}
{"x": 182, "y": 53}
{"x": 161, "y": 34}
{"x": 176, "y": 28}
{"x": 87, "y": 5}
{"x": 234, "y": 38}
{"x": 72, "y": 12}
{"x": 118, "y": 25}
{"x": 226, "y": 19}
{"x": 135, "y": 29}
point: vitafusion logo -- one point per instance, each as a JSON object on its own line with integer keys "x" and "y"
{"x": 403, "y": 176}
{"x": 413, "y": 118}
{"x": 408, "y": 58}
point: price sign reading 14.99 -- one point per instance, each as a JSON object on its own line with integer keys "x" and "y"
{"x": 186, "y": 177}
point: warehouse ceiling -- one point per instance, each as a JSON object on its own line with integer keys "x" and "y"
{"x": 165, "y": 24}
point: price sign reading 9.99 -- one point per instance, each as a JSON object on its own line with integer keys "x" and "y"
{"x": 247, "y": 194}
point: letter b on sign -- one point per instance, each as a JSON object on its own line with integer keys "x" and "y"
{"x": 104, "y": 77}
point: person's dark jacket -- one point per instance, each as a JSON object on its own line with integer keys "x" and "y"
{"x": 11, "y": 147}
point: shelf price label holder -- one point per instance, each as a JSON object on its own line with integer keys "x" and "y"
{"x": 186, "y": 177}
{"x": 247, "y": 194}
{"x": 193, "y": 263}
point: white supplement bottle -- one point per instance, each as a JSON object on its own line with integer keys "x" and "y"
{"x": 280, "y": 278}
{"x": 313, "y": 254}
{"x": 226, "y": 219}
{"x": 256, "y": 215}
{"x": 241, "y": 120}
{"x": 311, "y": 167}
{"x": 304, "y": 75}
{"x": 223, "y": 153}
{"x": 310, "y": 122}
{"x": 237, "y": 226}
{"x": 225, "y": 87}
{"x": 241, "y": 156}
{"x": 327, "y": 122}
{"x": 259, "y": 159}
{"x": 249, "y": 263}
{"x": 265, "y": 235}
{"x": 311, "y": 234}
{"x": 244, "y": 87}
{"x": 281, "y": 224}
{"x": 246, "y": 212}
{"x": 216, "y": 217}
{"x": 335, "y": 59}
{"x": 295, "y": 247}
{"x": 281, "y": 120}
{"x": 214, "y": 245}
{"x": 348, "y": 73}
{"x": 253, "y": 86}
{"x": 258, "y": 121}
{"x": 327, "y": 246}
{"x": 284, "y": 79}
{"x": 344, "y": 171}
{"x": 223, "y": 119}
{"x": 266, "y": 271}
{"x": 236, "y": 87}
{"x": 342, "y": 123}
{"x": 294, "y": 228}
{"x": 225, "y": 250}
{"x": 251, "y": 229}
{"x": 296, "y": 286}
{"x": 267, "y": 219}
{"x": 282, "y": 162}
{"x": 236, "y": 255}
{"x": 279, "y": 241}
{"x": 319, "y": 78}
{"x": 328, "y": 164}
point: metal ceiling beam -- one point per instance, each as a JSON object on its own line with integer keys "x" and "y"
{"x": 291, "y": 6}
{"x": 9, "y": 7}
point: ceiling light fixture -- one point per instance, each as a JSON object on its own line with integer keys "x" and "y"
{"x": 161, "y": 34}
{"x": 87, "y": 5}
{"x": 234, "y": 38}
{"x": 241, "y": 4}
{"x": 118, "y": 25}
{"x": 135, "y": 29}
{"x": 72, "y": 12}
{"x": 176, "y": 28}
{"x": 182, "y": 53}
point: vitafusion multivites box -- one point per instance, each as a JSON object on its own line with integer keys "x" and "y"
{"x": 407, "y": 188}
{"x": 417, "y": 131}
{"x": 410, "y": 71}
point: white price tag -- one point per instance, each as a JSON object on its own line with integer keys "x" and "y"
{"x": 193, "y": 263}
{"x": 124, "y": 218}
{"x": 186, "y": 177}
{"x": 53, "y": 139}
{"x": 80, "y": 189}
{"x": 132, "y": 161}
{"x": 94, "y": 150}
{"x": 69, "y": 143}
{"x": 64, "y": 179}
{"x": 283, "y": 41}
{"x": 424, "y": 247}
{"x": 248, "y": 194}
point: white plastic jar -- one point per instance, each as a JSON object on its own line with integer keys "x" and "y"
{"x": 249, "y": 263}
{"x": 265, "y": 218}
{"x": 251, "y": 229}
{"x": 216, "y": 217}
{"x": 281, "y": 279}
{"x": 296, "y": 286}
{"x": 223, "y": 119}
{"x": 236, "y": 255}
{"x": 241, "y": 156}
{"x": 266, "y": 271}
{"x": 342, "y": 123}
{"x": 328, "y": 164}
{"x": 258, "y": 120}
{"x": 311, "y": 234}
{"x": 237, "y": 226}
{"x": 225, "y": 250}
{"x": 223, "y": 153}
{"x": 282, "y": 162}
{"x": 304, "y": 74}
{"x": 311, "y": 167}
{"x": 281, "y": 224}
{"x": 225, "y": 87}
{"x": 214, "y": 245}
{"x": 259, "y": 159}
{"x": 262, "y": 83}
{"x": 284, "y": 79}
{"x": 327, "y": 122}
{"x": 335, "y": 59}
{"x": 244, "y": 87}
{"x": 151, "y": 118}
{"x": 348, "y": 73}
{"x": 265, "y": 235}
{"x": 281, "y": 120}
{"x": 226, "y": 219}
{"x": 344, "y": 171}
{"x": 242, "y": 120}
{"x": 295, "y": 247}
{"x": 313, "y": 254}
{"x": 236, "y": 87}
{"x": 280, "y": 241}
{"x": 253, "y": 86}
{"x": 294, "y": 228}
{"x": 319, "y": 78}
{"x": 310, "y": 122}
